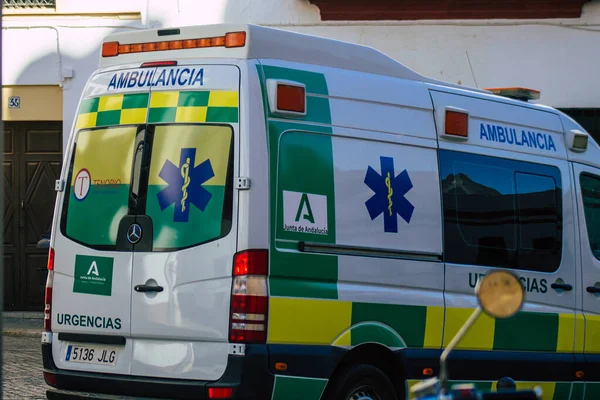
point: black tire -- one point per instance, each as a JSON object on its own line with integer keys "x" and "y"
{"x": 362, "y": 382}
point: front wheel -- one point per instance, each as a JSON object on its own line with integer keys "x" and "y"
{"x": 362, "y": 382}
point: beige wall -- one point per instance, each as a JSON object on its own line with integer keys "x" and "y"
{"x": 38, "y": 103}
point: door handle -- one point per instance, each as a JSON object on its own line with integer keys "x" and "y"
{"x": 563, "y": 286}
{"x": 593, "y": 289}
{"x": 148, "y": 288}
{"x": 22, "y": 215}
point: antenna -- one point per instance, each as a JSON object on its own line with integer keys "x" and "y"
{"x": 470, "y": 66}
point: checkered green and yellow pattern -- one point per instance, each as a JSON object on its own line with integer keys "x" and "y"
{"x": 212, "y": 106}
{"x": 526, "y": 331}
{"x": 117, "y": 109}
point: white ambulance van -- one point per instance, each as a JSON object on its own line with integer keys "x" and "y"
{"x": 250, "y": 213}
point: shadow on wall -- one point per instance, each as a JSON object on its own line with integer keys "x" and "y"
{"x": 25, "y": 280}
{"x": 81, "y": 57}
{"x": 83, "y": 66}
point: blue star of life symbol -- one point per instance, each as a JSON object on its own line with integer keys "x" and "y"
{"x": 185, "y": 185}
{"x": 389, "y": 195}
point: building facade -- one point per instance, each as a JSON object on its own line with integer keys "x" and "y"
{"x": 50, "y": 48}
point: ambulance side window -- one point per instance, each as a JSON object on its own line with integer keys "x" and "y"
{"x": 590, "y": 191}
{"x": 500, "y": 212}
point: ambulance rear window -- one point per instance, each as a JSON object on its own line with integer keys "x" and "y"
{"x": 590, "y": 190}
{"x": 97, "y": 193}
{"x": 189, "y": 196}
{"x": 185, "y": 184}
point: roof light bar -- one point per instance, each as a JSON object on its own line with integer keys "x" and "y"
{"x": 518, "y": 93}
{"x": 229, "y": 40}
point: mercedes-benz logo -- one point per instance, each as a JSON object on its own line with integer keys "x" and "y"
{"x": 134, "y": 233}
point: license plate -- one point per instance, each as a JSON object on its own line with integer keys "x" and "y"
{"x": 102, "y": 355}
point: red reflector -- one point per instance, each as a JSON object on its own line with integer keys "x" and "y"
{"x": 291, "y": 98}
{"x": 251, "y": 262}
{"x": 159, "y": 64}
{"x": 242, "y": 336}
{"x": 48, "y": 309}
{"x": 220, "y": 393}
{"x": 457, "y": 123}
{"x": 50, "y": 379}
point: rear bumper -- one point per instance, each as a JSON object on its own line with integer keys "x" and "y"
{"x": 249, "y": 376}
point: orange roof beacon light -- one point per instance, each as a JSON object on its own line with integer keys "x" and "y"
{"x": 517, "y": 93}
{"x": 229, "y": 40}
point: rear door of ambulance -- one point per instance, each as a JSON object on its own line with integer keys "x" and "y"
{"x": 143, "y": 256}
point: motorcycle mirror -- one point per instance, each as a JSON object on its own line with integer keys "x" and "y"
{"x": 500, "y": 294}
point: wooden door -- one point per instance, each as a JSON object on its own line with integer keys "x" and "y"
{"x": 32, "y": 165}
{"x": 11, "y": 218}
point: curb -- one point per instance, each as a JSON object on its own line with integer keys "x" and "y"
{"x": 22, "y": 332}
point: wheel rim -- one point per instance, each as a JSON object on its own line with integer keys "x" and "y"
{"x": 363, "y": 393}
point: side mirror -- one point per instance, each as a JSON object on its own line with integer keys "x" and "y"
{"x": 43, "y": 243}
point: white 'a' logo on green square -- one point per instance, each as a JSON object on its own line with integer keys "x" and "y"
{"x": 93, "y": 275}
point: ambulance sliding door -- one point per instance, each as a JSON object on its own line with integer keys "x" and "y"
{"x": 503, "y": 187}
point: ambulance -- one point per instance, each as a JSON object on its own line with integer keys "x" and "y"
{"x": 251, "y": 213}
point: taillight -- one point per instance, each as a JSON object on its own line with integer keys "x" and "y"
{"x": 51, "y": 259}
{"x": 48, "y": 292}
{"x": 249, "y": 298}
{"x": 252, "y": 262}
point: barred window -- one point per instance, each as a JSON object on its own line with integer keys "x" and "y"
{"x": 28, "y": 3}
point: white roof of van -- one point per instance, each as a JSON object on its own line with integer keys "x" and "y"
{"x": 267, "y": 43}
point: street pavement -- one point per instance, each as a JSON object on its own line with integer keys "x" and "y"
{"x": 22, "y": 368}
{"x": 22, "y": 376}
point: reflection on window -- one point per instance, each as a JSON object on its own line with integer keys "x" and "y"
{"x": 538, "y": 220}
{"x": 97, "y": 195}
{"x": 189, "y": 195}
{"x": 486, "y": 213}
{"x": 501, "y": 213}
{"x": 590, "y": 190}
